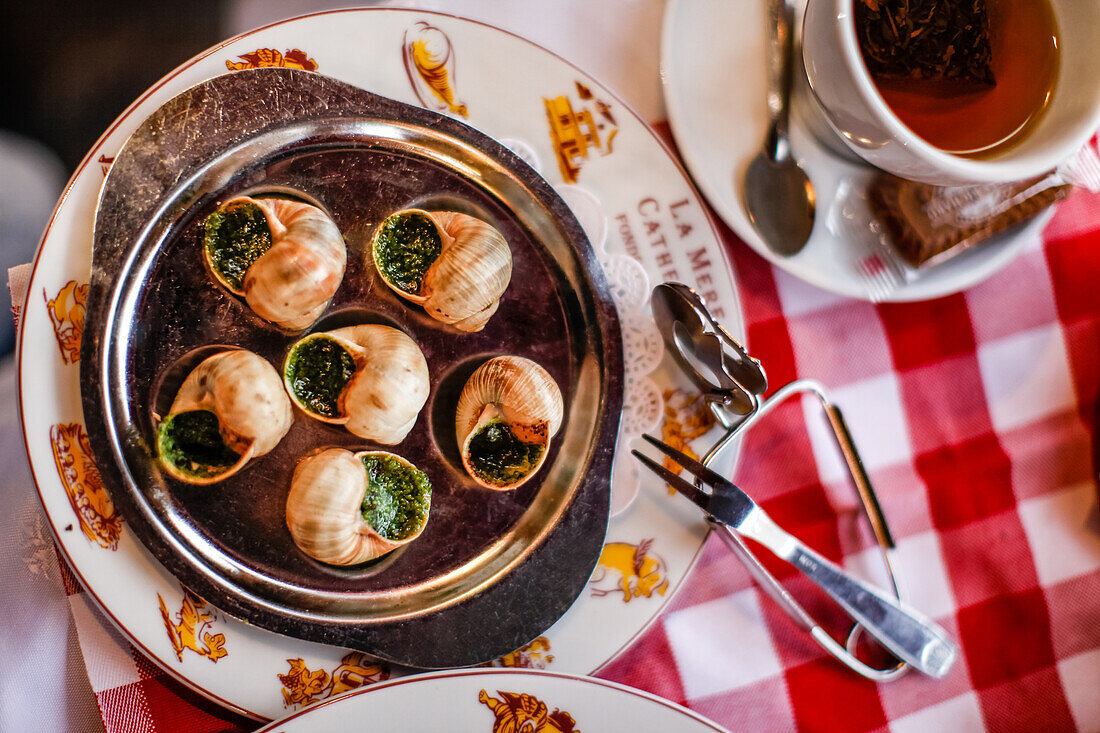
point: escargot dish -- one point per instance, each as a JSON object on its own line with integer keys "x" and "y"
{"x": 372, "y": 379}
{"x": 230, "y": 408}
{"x": 454, "y": 265}
{"x": 346, "y": 508}
{"x": 285, "y": 257}
{"x": 507, "y": 413}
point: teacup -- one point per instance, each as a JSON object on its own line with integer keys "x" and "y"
{"x": 858, "y": 114}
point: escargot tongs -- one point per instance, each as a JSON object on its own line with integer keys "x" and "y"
{"x": 732, "y": 382}
{"x": 907, "y": 633}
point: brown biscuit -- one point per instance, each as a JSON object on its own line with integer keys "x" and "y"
{"x": 925, "y": 222}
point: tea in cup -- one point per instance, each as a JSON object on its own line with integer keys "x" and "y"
{"x": 957, "y": 91}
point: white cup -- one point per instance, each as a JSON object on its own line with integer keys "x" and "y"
{"x": 857, "y": 112}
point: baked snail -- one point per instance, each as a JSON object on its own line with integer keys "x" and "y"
{"x": 230, "y": 409}
{"x": 507, "y": 413}
{"x": 372, "y": 379}
{"x": 454, "y": 265}
{"x": 285, "y": 257}
{"x": 346, "y": 508}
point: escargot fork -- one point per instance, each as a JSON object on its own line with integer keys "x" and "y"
{"x": 910, "y": 635}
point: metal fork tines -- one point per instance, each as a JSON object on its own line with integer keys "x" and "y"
{"x": 907, "y": 633}
{"x": 881, "y": 275}
{"x": 708, "y": 502}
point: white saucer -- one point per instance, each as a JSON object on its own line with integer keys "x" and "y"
{"x": 714, "y": 76}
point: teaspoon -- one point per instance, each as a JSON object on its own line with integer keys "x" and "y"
{"x": 779, "y": 197}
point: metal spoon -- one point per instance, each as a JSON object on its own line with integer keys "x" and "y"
{"x": 778, "y": 195}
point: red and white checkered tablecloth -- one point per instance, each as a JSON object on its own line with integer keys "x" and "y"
{"x": 975, "y": 415}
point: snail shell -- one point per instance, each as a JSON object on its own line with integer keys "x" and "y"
{"x": 463, "y": 286}
{"x": 517, "y": 392}
{"x": 324, "y": 508}
{"x": 292, "y": 282}
{"x": 389, "y": 386}
{"x": 244, "y": 393}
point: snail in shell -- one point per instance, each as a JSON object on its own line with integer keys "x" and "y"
{"x": 454, "y": 265}
{"x": 286, "y": 258}
{"x": 231, "y": 408}
{"x": 372, "y": 379}
{"x": 507, "y": 413}
{"x": 345, "y": 508}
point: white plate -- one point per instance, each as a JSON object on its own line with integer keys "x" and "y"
{"x": 497, "y": 701}
{"x": 629, "y": 186}
{"x": 715, "y": 79}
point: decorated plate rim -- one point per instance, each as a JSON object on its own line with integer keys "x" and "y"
{"x": 734, "y": 320}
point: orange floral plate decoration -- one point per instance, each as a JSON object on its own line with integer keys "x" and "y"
{"x": 498, "y": 701}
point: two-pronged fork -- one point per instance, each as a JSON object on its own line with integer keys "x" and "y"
{"x": 907, "y": 633}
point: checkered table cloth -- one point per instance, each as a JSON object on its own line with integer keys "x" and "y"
{"x": 974, "y": 414}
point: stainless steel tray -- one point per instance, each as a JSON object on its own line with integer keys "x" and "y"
{"x": 492, "y": 570}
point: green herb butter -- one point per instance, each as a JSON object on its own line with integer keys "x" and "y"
{"x": 235, "y": 238}
{"x": 398, "y": 497}
{"x": 317, "y": 371}
{"x": 498, "y": 457}
{"x": 193, "y": 443}
{"x": 404, "y": 249}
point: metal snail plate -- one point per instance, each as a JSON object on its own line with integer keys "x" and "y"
{"x": 492, "y": 570}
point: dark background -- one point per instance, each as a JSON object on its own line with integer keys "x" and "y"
{"x": 71, "y": 68}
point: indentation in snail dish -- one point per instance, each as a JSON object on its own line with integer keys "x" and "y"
{"x": 454, "y": 265}
{"x": 230, "y": 409}
{"x": 284, "y": 256}
{"x": 509, "y": 409}
{"x": 348, "y": 508}
{"x": 371, "y": 378}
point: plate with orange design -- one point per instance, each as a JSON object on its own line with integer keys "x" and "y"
{"x": 577, "y": 135}
{"x": 497, "y": 701}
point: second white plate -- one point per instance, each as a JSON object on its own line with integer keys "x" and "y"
{"x": 497, "y": 701}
